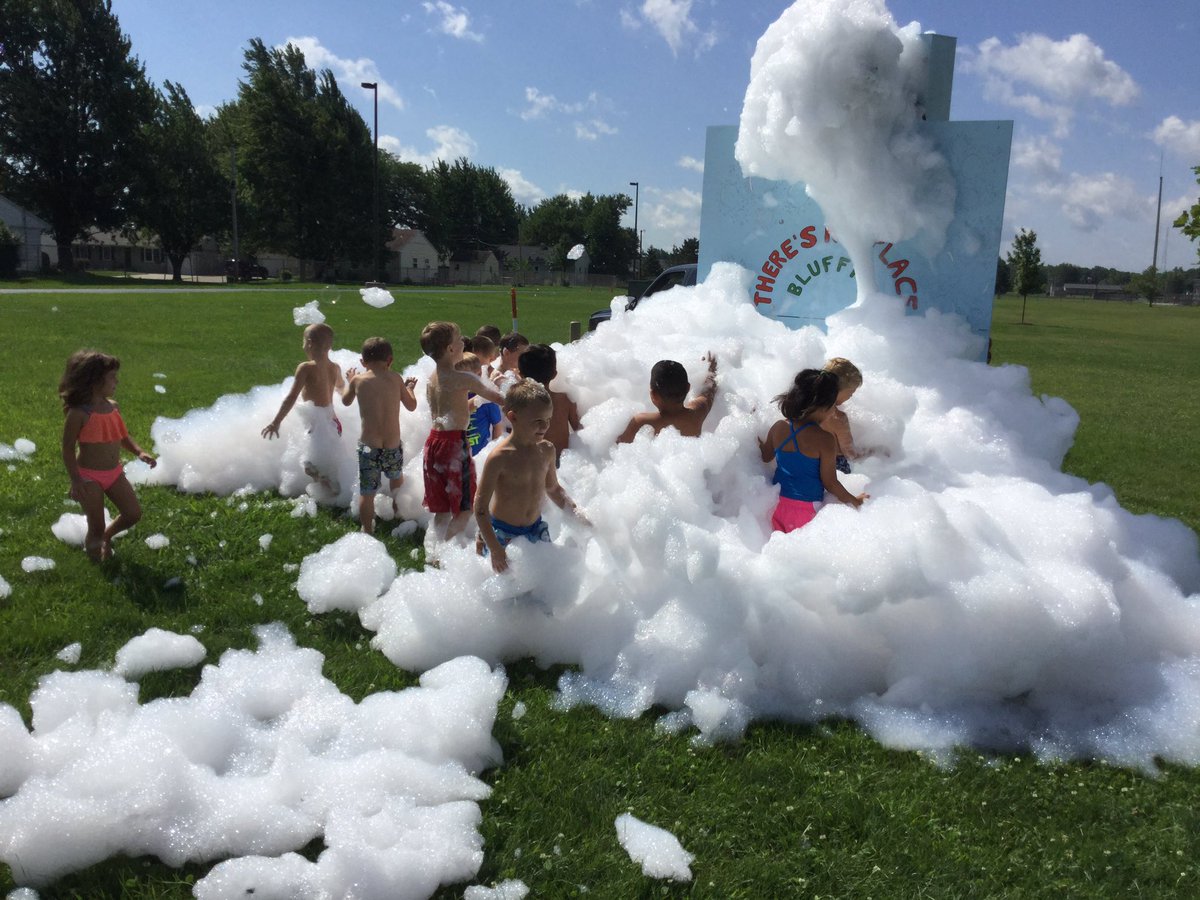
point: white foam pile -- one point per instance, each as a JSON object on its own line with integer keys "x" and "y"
{"x": 70, "y": 654}
{"x": 655, "y": 849}
{"x": 32, "y": 564}
{"x": 157, "y": 651}
{"x": 5, "y": 589}
{"x": 21, "y": 448}
{"x": 833, "y": 102}
{"x": 263, "y": 757}
{"x": 377, "y": 297}
{"x": 71, "y": 528}
{"x": 158, "y": 541}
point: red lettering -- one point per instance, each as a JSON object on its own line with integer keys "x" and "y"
{"x": 883, "y": 255}
{"x": 760, "y": 299}
{"x": 912, "y": 284}
{"x": 771, "y": 271}
{"x": 786, "y": 247}
{"x": 808, "y": 237}
{"x": 898, "y": 267}
{"x": 776, "y": 258}
{"x": 766, "y": 284}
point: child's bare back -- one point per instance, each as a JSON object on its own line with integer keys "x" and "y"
{"x": 668, "y": 389}
{"x": 449, "y": 403}
{"x": 380, "y": 393}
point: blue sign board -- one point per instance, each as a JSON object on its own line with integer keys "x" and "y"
{"x": 802, "y": 275}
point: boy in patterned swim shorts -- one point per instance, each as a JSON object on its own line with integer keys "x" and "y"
{"x": 379, "y": 392}
{"x": 448, "y": 467}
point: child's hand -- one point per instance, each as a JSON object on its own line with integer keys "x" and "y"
{"x": 351, "y": 372}
{"x": 410, "y": 382}
{"x": 711, "y": 360}
{"x": 148, "y": 459}
{"x": 499, "y": 561}
{"x": 860, "y": 498}
{"x": 271, "y": 430}
{"x": 580, "y": 517}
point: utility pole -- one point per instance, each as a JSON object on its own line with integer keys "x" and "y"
{"x": 237, "y": 260}
{"x": 373, "y": 86}
{"x": 637, "y": 262}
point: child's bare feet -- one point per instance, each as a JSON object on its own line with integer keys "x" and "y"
{"x": 106, "y": 550}
{"x": 94, "y": 550}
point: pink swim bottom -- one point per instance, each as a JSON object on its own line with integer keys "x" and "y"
{"x": 792, "y": 514}
{"x": 106, "y": 478}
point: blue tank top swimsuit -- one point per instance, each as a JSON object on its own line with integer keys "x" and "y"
{"x": 798, "y": 475}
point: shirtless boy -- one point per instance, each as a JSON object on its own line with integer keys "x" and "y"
{"x": 449, "y": 470}
{"x": 511, "y": 346}
{"x": 379, "y": 392}
{"x": 540, "y": 363}
{"x": 518, "y": 475}
{"x": 315, "y": 382}
{"x": 668, "y": 392}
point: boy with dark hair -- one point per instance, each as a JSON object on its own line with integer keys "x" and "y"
{"x": 669, "y": 388}
{"x": 379, "y": 392}
{"x": 491, "y": 332}
{"x": 512, "y": 345}
{"x": 540, "y": 363}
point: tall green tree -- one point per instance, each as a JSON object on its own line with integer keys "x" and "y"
{"x": 560, "y": 222}
{"x": 406, "y": 190}
{"x": 1025, "y": 263}
{"x": 1003, "y": 280}
{"x": 473, "y": 208}
{"x": 178, "y": 194}
{"x": 1147, "y": 284}
{"x": 73, "y": 100}
{"x": 304, "y": 158}
{"x": 1189, "y": 220}
{"x": 686, "y": 252}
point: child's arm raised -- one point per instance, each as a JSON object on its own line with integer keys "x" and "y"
{"x": 483, "y": 511}
{"x": 703, "y": 401}
{"x": 408, "y": 396}
{"x": 478, "y": 385}
{"x": 301, "y": 379}
{"x": 351, "y": 390}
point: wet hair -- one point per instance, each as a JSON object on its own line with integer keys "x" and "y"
{"x": 669, "y": 380}
{"x": 482, "y": 345}
{"x": 811, "y": 390}
{"x": 468, "y": 344}
{"x": 85, "y": 369}
{"x": 539, "y": 362}
{"x": 848, "y": 376}
{"x": 437, "y": 337}
{"x": 469, "y": 363}
{"x": 376, "y": 349}
{"x": 526, "y": 393}
{"x": 320, "y": 333}
{"x": 514, "y": 340}
{"x": 491, "y": 332}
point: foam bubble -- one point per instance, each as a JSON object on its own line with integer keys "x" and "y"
{"x": 657, "y": 850}
{"x": 37, "y": 564}
{"x": 376, "y": 297}
{"x": 157, "y": 650}
{"x": 70, "y": 654}
{"x": 158, "y": 541}
{"x": 308, "y": 314}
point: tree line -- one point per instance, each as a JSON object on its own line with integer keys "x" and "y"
{"x": 89, "y": 143}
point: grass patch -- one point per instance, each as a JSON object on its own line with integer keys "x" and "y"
{"x": 789, "y": 811}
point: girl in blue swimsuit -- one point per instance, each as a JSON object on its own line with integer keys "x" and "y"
{"x": 805, "y": 455}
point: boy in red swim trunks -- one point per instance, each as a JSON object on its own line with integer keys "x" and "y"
{"x": 448, "y": 468}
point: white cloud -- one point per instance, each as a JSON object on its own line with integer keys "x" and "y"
{"x": 672, "y": 215}
{"x": 449, "y": 144}
{"x": 672, "y": 19}
{"x": 523, "y": 190}
{"x": 1091, "y": 201}
{"x": 539, "y": 104}
{"x": 454, "y": 21}
{"x": 690, "y": 162}
{"x": 204, "y": 110}
{"x": 1039, "y": 156}
{"x": 1179, "y": 136}
{"x": 350, "y": 73}
{"x": 1046, "y": 78}
{"x": 592, "y": 129}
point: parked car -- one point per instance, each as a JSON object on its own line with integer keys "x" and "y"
{"x": 668, "y": 278}
{"x": 247, "y": 269}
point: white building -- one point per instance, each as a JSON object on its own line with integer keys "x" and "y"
{"x": 28, "y": 228}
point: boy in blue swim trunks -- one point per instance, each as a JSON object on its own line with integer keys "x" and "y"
{"x": 518, "y": 475}
{"x": 379, "y": 392}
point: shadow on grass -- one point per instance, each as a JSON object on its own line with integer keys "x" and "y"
{"x": 148, "y": 588}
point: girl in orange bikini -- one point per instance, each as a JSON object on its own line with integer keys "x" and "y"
{"x": 94, "y": 423}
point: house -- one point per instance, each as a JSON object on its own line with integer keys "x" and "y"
{"x": 472, "y": 267}
{"x": 138, "y": 252}
{"x": 1095, "y": 291}
{"x": 29, "y": 229}
{"x": 411, "y": 257}
{"x": 534, "y": 264}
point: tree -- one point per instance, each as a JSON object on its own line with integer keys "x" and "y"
{"x": 473, "y": 207}
{"x": 178, "y": 193}
{"x": 687, "y": 252}
{"x": 1146, "y": 285}
{"x": 1003, "y": 280}
{"x": 73, "y": 101}
{"x": 1025, "y": 260}
{"x": 304, "y": 156}
{"x": 407, "y": 193}
{"x": 1189, "y": 220}
{"x": 561, "y": 222}
{"x": 652, "y": 261}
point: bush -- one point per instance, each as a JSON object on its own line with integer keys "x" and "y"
{"x": 285, "y": 275}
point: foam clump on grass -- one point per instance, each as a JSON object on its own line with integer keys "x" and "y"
{"x": 20, "y": 449}
{"x": 157, "y": 650}
{"x": 348, "y": 574}
{"x": 376, "y": 297}
{"x": 655, "y": 849}
{"x": 512, "y": 889}
{"x": 5, "y": 589}
{"x": 158, "y": 541}
{"x": 70, "y": 654}
{"x": 71, "y": 528}
{"x": 265, "y": 756}
{"x": 31, "y": 564}
{"x": 308, "y": 314}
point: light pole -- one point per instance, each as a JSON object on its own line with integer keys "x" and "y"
{"x": 637, "y": 260}
{"x": 373, "y": 86}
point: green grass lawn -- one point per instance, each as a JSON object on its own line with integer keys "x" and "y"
{"x": 787, "y": 812}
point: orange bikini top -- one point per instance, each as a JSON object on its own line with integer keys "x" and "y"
{"x": 103, "y": 428}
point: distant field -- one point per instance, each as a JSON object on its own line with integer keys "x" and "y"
{"x": 788, "y": 812}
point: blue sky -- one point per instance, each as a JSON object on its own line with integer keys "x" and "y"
{"x": 589, "y": 95}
